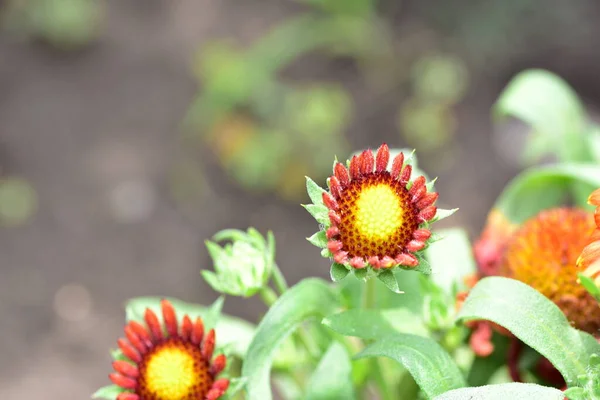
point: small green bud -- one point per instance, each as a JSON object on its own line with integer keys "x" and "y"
{"x": 244, "y": 265}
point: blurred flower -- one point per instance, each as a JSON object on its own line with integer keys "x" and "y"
{"x": 589, "y": 260}
{"x": 490, "y": 247}
{"x": 243, "y": 266}
{"x": 175, "y": 365}
{"x": 376, "y": 216}
{"x": 543, "y": 253}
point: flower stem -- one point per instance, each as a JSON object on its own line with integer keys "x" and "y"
{"x": 369, "y": 296}
{"x": 268, "y": 296}
{"x": 279, "y": 279}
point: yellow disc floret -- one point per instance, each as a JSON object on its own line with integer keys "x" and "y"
{"x": 378, "y": 212}
{"x": 175, "y": 371}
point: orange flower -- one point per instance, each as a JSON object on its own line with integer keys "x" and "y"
{"x": 377, "y": 215}
{"x": 172, "y": 365}
{"x": 589, "y": 260}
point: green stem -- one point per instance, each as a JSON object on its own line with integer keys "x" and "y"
{"x": 369, "y": 296}
{"x": 279, "y": 280}
{"x": 268, "y": 296}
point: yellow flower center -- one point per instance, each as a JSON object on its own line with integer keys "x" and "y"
{"x": 377, "y": 216}
{"x": 379, "y": 212}
{"x": 175, "y": 370}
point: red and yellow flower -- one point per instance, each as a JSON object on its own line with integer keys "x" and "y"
{"x": 174, "y": 363}
{"x": 377, "y": 216}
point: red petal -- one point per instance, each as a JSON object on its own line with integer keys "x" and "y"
{"x": 368, "y": 162}
{"x": 219, "y": 387}
{"x": 129, "y": 351}
{"x": 335, "y": 187}
{"x": 209, "y": 345}
{"x": 427, "y": 200}
{"x": 330, "y": 202}
{"x": 407, "y": 260}
{"x": 124, "y": 382}
{"x": 153, "y": 324}
{"x": 427, "y": 213}
{"x": 355, "y": 167}
{"x": 186, "y": 328}
{"x": 141, "y": 332}
{"x": 405, "y": 175}
{"x": 397, "y": 165}
{"x": 594, "y": 198}
{"x": 422, "y": 234}
{"x": 386, "y": 262}
{"x": 198, "y": 332}
{"x": 335, "y": 246}
{"x": 341, "y": 173}
{"x": 169, "y": 316}
{"x": 218, "y": 364}
{"x": 374, "y": 261}
{"x": 127, "y": 396}
{"x": 382, "y": 159}
{"x": 589, "y": 255}
{"x": 357, "y": 262}
{"x": 332, "y": 232}
{"x": 418, "y": 189}
{"x": 481, "y": 340}
{"x": 414, "y": 245}
{"x": 334, "y": 218}
{"x": 135, "y": 340}
{"x": 126, "y": 369}
{"x": 341, "y": 257}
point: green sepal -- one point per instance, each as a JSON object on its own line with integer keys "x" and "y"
{"x": 319, "y": 212}
{"x": 319, "y": 239}
{"x": 442, "y": 214}
{"x": 235, "y": 386}
{"x": 315, "y": 192}
{"x": 326, "y": 253}
{"x": 338, "y": 272}
{"x": 109, "y": 392}
{"x": 423, "y": 267}
{"x": 576, "y": 393}
{"x": 388, "y": 278}
{"x": 361, "y": 274}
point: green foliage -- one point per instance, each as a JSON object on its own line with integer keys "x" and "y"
{"x": 539, "y": 188}
{"x": 504, "y": 391}
{"x": 432, "y": 368}
{"x": 332, "y": 377}
{"x": 308, "y": 299}
{"x": 535, "y": 320}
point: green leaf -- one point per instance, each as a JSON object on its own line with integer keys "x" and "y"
{"x": 451, "y": 258}
{"x": 338, "y": 272}
{"x": 544, "y": 187}
{"x": 319, "y": 213}
{"x": 108, "y": 392}
{"x": 504, "y": 391}
{"x": 319, "y": 239}
{"x": 375, "y": 324}
{"x": 534, "y": 319}
{"x": 430, "y": 365}
{"x": 576, "y": 393}
{"x": 551, "y": 107}
{"x": 590, "y": 286}
{"x": 308, "y": 299}
{"x": 231, "y": 332}
{"x": 389, "y": 280}
{"x": 315, "y": 192}
{"x": 332, "y": 379}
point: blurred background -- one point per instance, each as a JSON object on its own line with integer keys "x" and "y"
{"x": 133, "y": 130}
